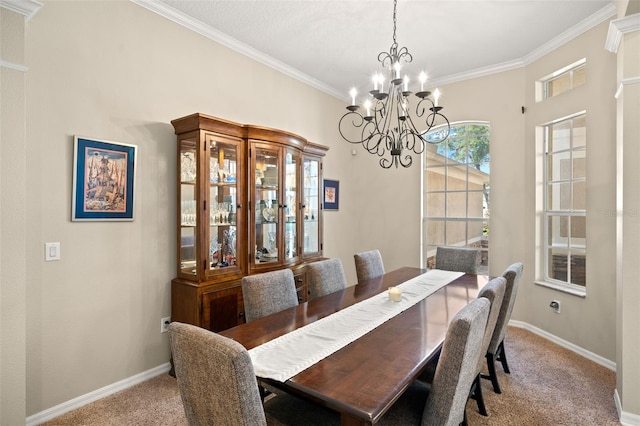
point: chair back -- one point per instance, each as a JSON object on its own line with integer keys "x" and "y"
{"x": 268, "y": 293}
{"x": 459, "y": 259}
{"x": 457, "y": 365}
{"x": 216, "y": 378}
{"x": 494, "y": 292}
{"x": 368, "y": 265}
{"x": 325, "y": 277}
{"x": 512, "y": 275}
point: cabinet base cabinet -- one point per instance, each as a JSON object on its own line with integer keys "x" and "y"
{"x": 222, "y": 309}
{"x": 218, "y": 306}
{"x": 215, "y": 307}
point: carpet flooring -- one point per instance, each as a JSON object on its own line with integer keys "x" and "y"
{"x": 548, "y": 385}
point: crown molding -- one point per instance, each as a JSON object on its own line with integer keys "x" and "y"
{"x": 626, "y": 82}
{"x": 219, "y": 37}
{"x": 27, "y": 8}
{"x": 478, "y": 72}
{"x": 573, "y": 32}
{"x": 618, "y": 28}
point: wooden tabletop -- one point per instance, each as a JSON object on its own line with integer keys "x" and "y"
{"x": 363, "y": 379}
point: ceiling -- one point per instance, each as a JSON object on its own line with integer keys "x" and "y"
{"x": 334, "y": 45}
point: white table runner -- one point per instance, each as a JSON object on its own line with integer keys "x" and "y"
{"x": 284, "y": 357}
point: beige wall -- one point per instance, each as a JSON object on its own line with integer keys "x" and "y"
{"x": 498, "y": 99}
{"x": 116, "y": 71}
{"x": 113, "y": 70}
{"x": 588, "y": 322}
{"x": 12, "y": 219}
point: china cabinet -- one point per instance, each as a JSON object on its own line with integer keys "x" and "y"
{"x": 248, "y": 202}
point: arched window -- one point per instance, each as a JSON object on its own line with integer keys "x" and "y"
{"x": 456, "y": 191}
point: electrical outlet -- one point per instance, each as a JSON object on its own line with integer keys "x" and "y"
{"x": 555, "y": 306}
{"x": 164, "y": 324}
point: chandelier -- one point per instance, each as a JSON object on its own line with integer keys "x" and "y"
{"x": 388, "y": 128}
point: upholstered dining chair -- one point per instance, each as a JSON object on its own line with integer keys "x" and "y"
{"x": 493, "y": 291}
{"x": 495, "y": 351}
{"x": 443, "y": 402}
{"x": 218, "y": 385}
{"x": 459, "y": 259}
{"x": 368, "y": 265}
{"x": 325, "y": 277}
{"x": 268, "y": 293}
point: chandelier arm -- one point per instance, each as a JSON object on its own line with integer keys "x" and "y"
{"x": 408, "y": 159}
{"x": 413, "y": 141}
{"x": 357, "y": 121}
{"x": 374, "y": 144}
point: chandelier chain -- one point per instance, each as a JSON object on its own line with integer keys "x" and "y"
{"x": 395, "y": 4}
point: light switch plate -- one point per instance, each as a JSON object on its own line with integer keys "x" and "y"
{"x": 51, "y": 251}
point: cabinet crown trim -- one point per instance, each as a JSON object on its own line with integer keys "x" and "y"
{"x": 199, "y": 121}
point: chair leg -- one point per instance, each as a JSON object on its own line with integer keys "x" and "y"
{"x": 493, "y": 376}
{"x": 502, "y": 357}
{"x": 476, "y": 394}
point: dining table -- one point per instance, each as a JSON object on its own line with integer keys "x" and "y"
{"x": 363, "y": 379}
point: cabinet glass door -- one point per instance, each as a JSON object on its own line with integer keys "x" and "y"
{"x": 289, "y": 206}
{"x": 223, "y": 203}
{"x": 266, "y": 204}
{"x": 311, "y": 206}
{"x": 188, "y": 207}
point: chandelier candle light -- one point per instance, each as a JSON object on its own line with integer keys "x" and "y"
{"x": 388, "y": 128}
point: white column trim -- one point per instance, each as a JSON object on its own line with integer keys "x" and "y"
{"x": 13, "y": 66}
{"x": 625, "y": 82}
{"x": 27, "y": 8}
{"x": 626, "y": 419}
{"x": 618, "y": 28}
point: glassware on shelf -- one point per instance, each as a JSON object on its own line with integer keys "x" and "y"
{"x": 188, "y": 213}
{"x": 272, "y": 243}
{"x": 213, "y": 173}
{"x": 223, "y": 174}
{"x": 268, "y": 213}
{"x": 187, "y": 167}
{"x": 225, "y": 213}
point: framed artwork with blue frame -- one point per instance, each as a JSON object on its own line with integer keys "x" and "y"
{"x": 103, "y": 180}
{"x": 331, "y": 197}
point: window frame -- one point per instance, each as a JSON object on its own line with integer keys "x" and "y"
{"x": 542, "y": 85}
{"x": 548, "y": 211}
{"x": 428, "y": 250}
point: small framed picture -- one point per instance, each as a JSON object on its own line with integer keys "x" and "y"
{"x": 331, "y": 194}
{"x": 103, "y": 180}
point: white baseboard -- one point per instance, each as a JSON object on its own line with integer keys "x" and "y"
{"x": 565, "y": 344}
{"x": 626, "y": 419}
{"x": 83, "y": 400}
